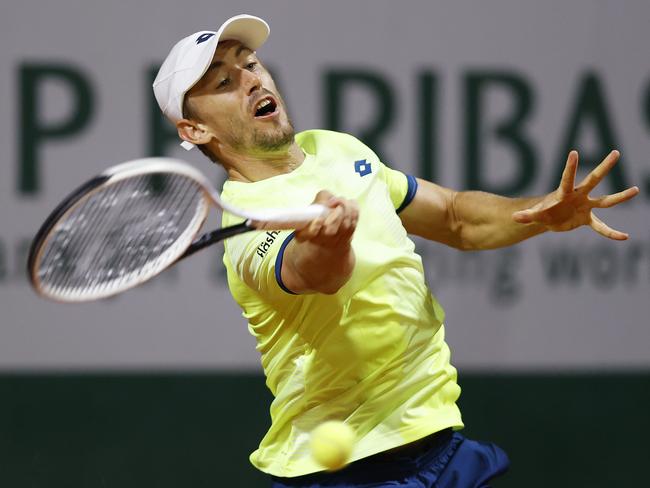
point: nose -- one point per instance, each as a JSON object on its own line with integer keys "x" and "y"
{"x": 250, "y": 81}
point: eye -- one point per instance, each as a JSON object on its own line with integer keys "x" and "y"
{"x": 252, "y": 66}
{"x": 224, "y": 82}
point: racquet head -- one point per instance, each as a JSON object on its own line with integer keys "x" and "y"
{"x": 116, "y": 231}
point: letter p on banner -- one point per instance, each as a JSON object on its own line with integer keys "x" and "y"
{"x": 34, "y": 131}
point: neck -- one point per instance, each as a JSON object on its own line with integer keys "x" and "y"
{"x": 260, "y": 166}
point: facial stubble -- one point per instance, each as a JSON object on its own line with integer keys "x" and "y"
{"x": 261, "y": 139}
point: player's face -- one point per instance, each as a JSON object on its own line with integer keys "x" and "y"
{"x": 239, "y": 102}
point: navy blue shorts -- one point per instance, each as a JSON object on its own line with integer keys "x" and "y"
{"x": 451, "y": 461}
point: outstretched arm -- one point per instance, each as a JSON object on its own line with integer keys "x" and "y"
{"x": 476, "y": 220}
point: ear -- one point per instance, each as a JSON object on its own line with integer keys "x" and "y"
{"x": 193, "y": 132}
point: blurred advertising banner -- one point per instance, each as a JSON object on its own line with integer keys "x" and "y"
{"x": 483, "y": 95}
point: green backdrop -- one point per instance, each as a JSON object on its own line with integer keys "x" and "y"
{"x": 196, "y": 430}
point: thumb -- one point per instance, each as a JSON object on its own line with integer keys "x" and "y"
{"x": 323, "y": 197}
{"x": 522, "y": 217}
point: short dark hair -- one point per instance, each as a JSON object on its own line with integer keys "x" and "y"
{"x": 188, "y": 114}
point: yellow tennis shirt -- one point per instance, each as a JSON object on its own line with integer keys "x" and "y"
{"x": 373, "y": 354}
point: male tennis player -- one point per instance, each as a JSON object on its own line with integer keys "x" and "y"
{"x": 345, "y": 324}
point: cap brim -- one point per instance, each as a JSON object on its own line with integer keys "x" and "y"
{"x": 247, "y": 29}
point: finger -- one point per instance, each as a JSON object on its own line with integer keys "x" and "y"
{"x": 310, "y": 231}
{"x": 599, "y": 172}
{"x": 350, "y": 212}
{"x": 332, "y": 229}
{"x": 604, "y": 230}
{"x": 348, "y": 225}
{"x": 334, "y": 202}
{"x": 333, "y": 221}
{"x": 354, "y": 210}
{"x": 567, "y": 183}
{"x": 620, "y": 197}
{"x": 333, "y": 215}
{"x": 347, "y": 222}
{"x": 323, "y": 197}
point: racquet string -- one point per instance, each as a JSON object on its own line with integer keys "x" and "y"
{"x": 133, "y": 255}
{"x": 110, "y": 245}
{"x": 88, "y": 247}
{"x": 121, "y": 234}
{"x": 71, "y": 240}
{"x": 61, "y": 250}
{"x": 150, "y": 244}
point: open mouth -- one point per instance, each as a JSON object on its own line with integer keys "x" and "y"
{"x": 266, "y": 106}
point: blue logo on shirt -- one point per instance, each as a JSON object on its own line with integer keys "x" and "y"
{"x": 204, "y": 37}
{"x": 362, "y": 167}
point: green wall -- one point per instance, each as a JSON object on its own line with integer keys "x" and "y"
{"x": 182, "y": 430}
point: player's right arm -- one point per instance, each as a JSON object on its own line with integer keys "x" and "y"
{"x": 320, "y": 258}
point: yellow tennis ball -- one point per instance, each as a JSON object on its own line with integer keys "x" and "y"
{"x": 331, "y": 444}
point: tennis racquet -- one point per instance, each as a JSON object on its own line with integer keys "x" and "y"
{"x": 131, "y": 222}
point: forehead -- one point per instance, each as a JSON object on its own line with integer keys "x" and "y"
{"x": 229, "y": 49}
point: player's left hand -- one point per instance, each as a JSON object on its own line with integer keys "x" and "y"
{"x": 571, "y": 206}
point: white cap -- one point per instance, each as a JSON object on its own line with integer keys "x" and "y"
{"x": 190, "y": 58}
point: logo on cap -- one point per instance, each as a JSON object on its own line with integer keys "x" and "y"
{"x": 204, "y": 37}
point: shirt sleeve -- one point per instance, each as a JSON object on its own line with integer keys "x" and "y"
{"x": 256, "y": 258}
{"x": 401, "y": 187}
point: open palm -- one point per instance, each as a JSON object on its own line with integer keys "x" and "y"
{"x": 571, "y": 206}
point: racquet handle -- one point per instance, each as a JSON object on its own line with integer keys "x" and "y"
{"x": 215, "y": 236}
